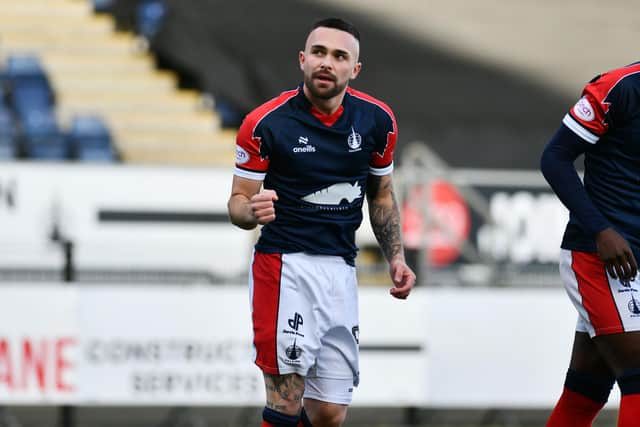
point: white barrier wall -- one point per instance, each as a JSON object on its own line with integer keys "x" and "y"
{"x": 169, "y": 345}
{"x": 120, "y": 217}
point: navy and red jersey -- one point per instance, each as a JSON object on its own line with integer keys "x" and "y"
{"x": 318, "y": 165}
{"x": 608, "y": 117}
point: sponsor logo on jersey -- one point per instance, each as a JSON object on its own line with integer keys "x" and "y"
{"x": 335, "y": 194}
{"x": 354, "y": 141}
{"x": 584, "y": 110}
{"x": 305, "y": 148}
{"x": 241, "y": 155}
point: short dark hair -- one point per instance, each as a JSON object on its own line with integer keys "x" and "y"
{"x": 338, "y": 24}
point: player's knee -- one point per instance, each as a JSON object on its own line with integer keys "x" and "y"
{"x": 595, "y": 387}
{"x": 284, "y": 392}
{"x": 328, "y": 415}
{"x": 629, "y": 381}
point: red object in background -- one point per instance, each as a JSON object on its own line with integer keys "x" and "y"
{"x": 449, "y": 221}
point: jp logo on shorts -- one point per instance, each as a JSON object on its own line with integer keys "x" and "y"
{"x": 293, "y": 351}
{"x": 296, "y": 322}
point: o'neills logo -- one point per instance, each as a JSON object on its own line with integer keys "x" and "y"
{"x": 304, "y": 149}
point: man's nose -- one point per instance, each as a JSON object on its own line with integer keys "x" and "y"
{"x": 326, "y": 63}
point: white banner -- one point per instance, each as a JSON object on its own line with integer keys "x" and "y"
{"x": 164, "y": 345}
{"x": 191, "y": 345}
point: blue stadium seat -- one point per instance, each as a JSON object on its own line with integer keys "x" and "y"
{"x": 230, "y": 116}
{"x": 29, "y": 85}
{"x": 8, "y": 141}
{"x": 43, "y": 139}
{"x": 150, "y": 15}
{"x": 102, "y": 5}
{"x": 90, "y": 139}
{"x": 3, "y": 91}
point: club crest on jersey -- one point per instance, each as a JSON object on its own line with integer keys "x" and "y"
{"x": 305, "y": 147}
{"x": 334, "y": 194}
{"x": 354, "y": 141}
{"x": 584, "y": 110}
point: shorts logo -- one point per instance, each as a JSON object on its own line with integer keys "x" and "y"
{"x": 626, "y": 286}
{"x": 355, "y": 331}
{"x": 354, "y": 141}
{"x": 584, "y": 110}
{"x": 293, "y": 351}
{"x": 634, "y": 307}
{"x": 296, "y": 322}
{"x": 242, "y": 156}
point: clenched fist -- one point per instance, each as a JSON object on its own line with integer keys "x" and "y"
{"x": 262, "y": 206}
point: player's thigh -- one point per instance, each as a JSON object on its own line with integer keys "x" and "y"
{"x": 605, "y": 305}
{"x": 622, "y": 351}
{"x": 286, "y": 331}
{"x": 336, "y": 371}
{"x": 284, "y": 392}
{"x": 323, "y": 414}
{"x": 586, "y": 357}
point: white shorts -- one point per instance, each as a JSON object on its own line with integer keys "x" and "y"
{"x": 304, "y": 310}
{"x": 605, "y": 305}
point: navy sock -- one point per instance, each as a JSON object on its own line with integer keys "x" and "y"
{"x": 305, "y": 419}
{"x": 278, "y": 419}
{"x": 596, "y": 388}
{"x": 629, "y": 382}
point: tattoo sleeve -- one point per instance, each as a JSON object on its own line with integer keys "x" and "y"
{"x": 384, "y": 215}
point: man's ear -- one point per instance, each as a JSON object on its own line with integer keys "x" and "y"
{"x": 356, "y": 70}
{"x": 301, "y": 60}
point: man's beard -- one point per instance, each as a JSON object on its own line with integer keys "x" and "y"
{"x": 323, "y": 93}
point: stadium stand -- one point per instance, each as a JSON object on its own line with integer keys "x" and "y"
{"x": 90, "y": 139}
{"x": 43, "y": 138}
{"x": 150, "y": 16}
{"x": 30, "y": 87}
{"x": 8, "y": 145}
{"x": 439, "y": 96}
{"x": 94, "y": 70}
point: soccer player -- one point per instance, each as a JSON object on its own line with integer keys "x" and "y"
{"x": 600, "y": 245}
{"x": 316, "y": 151}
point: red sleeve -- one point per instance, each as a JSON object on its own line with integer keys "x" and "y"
{"x": 249, "y": 161}
{"x": 252, "y": 157}
{"x": 587, "y": 118}
{"x": 590, "y": 117}
{"x": 381, "y": 162}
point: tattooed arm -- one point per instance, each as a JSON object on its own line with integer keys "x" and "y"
{"x": 385, "y": 221}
